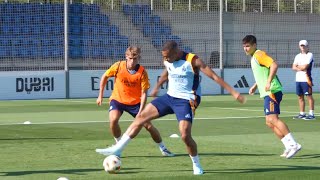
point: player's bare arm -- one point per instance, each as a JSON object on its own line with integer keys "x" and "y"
{"x": 295, "y": 67}
{"x": 162, "y": 79}
{"x": 199, "y": 64}
{"x": 144, "y": 97}
{"x": 303, "y": 67}
{"x": 253, "y": 89}
{"x": 103, "y": 83}
{"x": 273, "y": 72}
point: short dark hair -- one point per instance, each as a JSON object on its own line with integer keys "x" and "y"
{"x": 251, "y": 39}
{"x": 169, "y": 45}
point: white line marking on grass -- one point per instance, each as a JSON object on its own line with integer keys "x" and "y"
{"x": 240, "y": 109}
{"x": 75, "y": 101}
{"x": 250, "y": 109}
{"x": 126, "y": 120}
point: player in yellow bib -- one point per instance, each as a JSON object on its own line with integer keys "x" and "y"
{"x": 265, "y": 73}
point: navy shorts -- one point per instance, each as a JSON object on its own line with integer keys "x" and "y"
{"x": 303, "y": 88}
{"x": 184, "y": 109}
{"x": 133, "y": 110}
{"x": 272, "y": 103}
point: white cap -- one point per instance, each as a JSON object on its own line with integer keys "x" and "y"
{"x": 303, "y": 42}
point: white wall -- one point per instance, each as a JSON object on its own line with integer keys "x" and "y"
{"x": 85, "y": 84}
{"x": 32, "y": 84}
{"x": 286, "y": 76}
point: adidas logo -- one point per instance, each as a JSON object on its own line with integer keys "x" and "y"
{"x": 242, "y": 83}
{"x": 187, "y": 116}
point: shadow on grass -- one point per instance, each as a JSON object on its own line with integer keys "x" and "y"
{"x": 262, "y": 170}
{"x": 35, "y": 138}
{"x": 233, "y": 154}
{"x": 201, "y": 154}
{"x": 308, "y": 156}
{"x": 130, "y": 170}
{"x": 67, "y": 171}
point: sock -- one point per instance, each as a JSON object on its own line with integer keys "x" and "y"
{"x": 117, "y": 139}
{"x": 285, "y": 143}
{"x": 302, "y": 113}
{"x": 125, "y": 139}
{"x": 311, "y": 112}
{"x": 195, "y": 159}
{"x": 290, "y": 140}
{"x": 162, "y": 146}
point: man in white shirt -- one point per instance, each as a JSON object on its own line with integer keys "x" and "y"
{"x": 302, "y": 64}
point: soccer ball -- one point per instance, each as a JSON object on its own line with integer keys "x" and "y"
{"x": 112, "y": 164}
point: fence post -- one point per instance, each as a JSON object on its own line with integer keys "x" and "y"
{"x": 151, "y": 5}
{"x": 226, "y": 4}
{"x": 66, "y": 47}
{"x": 221, "y": 42}
{"x": 112, "y": 4}
{"x": 243, "y": 5}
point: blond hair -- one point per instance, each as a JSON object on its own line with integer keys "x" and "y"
{"x": 134, "y": 51}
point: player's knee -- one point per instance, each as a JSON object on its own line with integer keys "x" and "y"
{"x": 310, "y": 97}
{"x": 272, "y": 120}
{"x": 137, "y": 123}
{"x": 114, "y": 123}
{"x": 147, "y": 126}
{"x": 186, "y": 137}
{"x": 269, "y": 125}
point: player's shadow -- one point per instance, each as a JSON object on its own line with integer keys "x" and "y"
{"x": 35, "y": 138}
{"x": 201, "y": 154}
{"x": 234, "y": 154}
{"x": 130, "y": 171}
{"x": 263, "y": 170}
{"x": 144, "y": 156}
{"x": 65, "y": 171}
{"x": 307, "y": 156}
{"x": 226, "y": 154}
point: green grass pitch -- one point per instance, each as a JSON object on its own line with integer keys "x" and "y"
{"x": 233, "y": 142}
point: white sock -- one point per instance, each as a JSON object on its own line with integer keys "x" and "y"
{"x": 117, "y": 139}
{"x": 302, "y": 113}
{"x": 285, "y": 143}
{"x": 195, "y": 159}
{"x": 290, "y": 140}
{"x": 311, "y": 112}
{"x": 162, "y": 146}
{"x": 125, "y": 139}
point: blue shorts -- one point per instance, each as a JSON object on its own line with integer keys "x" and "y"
{"x": 272, "y": 103}
{"x": 133, "y": 110}
{"x": 303, "y": 88}
{"x": 184, "y": 109}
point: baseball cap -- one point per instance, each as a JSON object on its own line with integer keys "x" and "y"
{"x": 303, "y": 42}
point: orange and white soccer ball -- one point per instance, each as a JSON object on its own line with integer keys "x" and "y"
{"x": 112, "y": 164}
